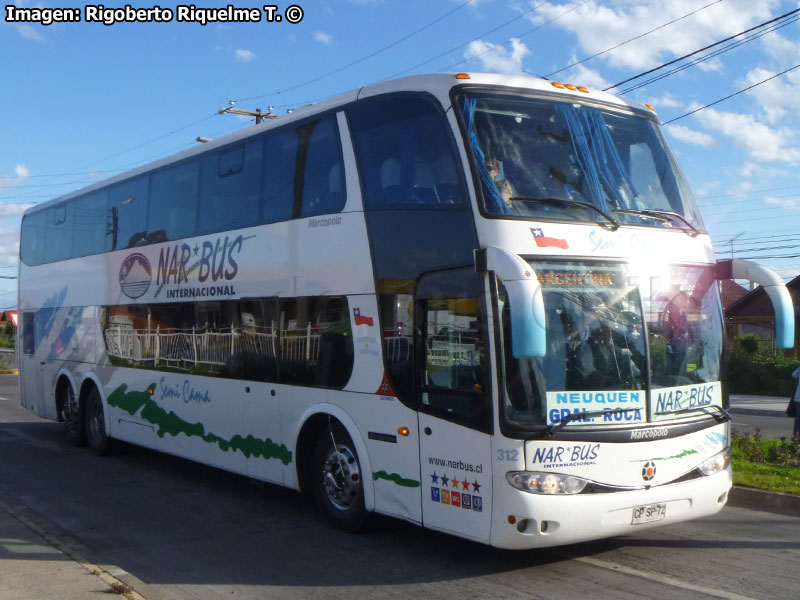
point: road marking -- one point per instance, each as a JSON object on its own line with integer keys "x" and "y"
{"x": 660, "y": 578}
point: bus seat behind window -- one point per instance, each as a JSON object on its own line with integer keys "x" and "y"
{"x": 423, "y": 191}
{"x": 391, "y": 175}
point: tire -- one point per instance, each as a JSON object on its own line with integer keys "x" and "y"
{"x": 337, "y": 481}
{"x": 95, "y": 423}
{"x": 73, "y": 417}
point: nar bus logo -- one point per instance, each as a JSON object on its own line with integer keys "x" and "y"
{"x": 135, "y": 276}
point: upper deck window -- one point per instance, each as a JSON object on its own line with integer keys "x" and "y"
{"x": 405, "y": 155}
{"x": 536, "y": 157}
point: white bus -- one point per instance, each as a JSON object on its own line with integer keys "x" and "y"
{"x": 480, "y": 303}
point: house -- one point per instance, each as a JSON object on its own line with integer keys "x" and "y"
{"x": 8, "y": 316}
{"x": 753, "y": 313}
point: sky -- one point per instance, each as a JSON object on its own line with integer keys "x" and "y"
{"x": 83, "y": 101}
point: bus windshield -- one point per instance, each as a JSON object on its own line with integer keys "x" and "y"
{"x": 612, "y": 335}
{"x": 537, "y": 158}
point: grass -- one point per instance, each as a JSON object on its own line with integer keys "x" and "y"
{"x": 765, "y": 464}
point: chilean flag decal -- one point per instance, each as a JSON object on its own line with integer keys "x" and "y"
{"x": 362, "y": 320}
{"x": 547, "y": 242}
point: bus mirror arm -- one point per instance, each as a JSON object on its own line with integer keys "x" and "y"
{"x": 774, "y": 287}
{"x": 528, "y": 332}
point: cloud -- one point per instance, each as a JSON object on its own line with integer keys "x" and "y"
{"x": 21, "y": 172}
{"x": 583, "y": 75}
{"x": 762, "y": 142}
{"x": 602, "y": 26}
{"x": 323, "y": 38}
{"x": 690, "y": 136}
{"x": 30, "y": 33}
{"x": 776, "y": 97}
{"x": 780, "y": 48}
{"x": 498, "y": 59}
{"x": 245, "y": 55}
{"x": 790, "y": 203}
{"x": 665, "y": 101}
{"x": 12, "y": 210}
{"x": 751, "y": 169}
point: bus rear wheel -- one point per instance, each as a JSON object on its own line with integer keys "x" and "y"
{"x": 95, "y": 425}
{"x": 72, "y": 415}
{"x": 337, "y": 480}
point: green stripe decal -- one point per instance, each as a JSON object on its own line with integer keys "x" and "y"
{"x": 172, "y": 424}
{"x": 395, "y": 478}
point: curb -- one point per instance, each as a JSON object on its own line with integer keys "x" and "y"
{"x": 786, "y": 504}
{"x": 116, "y": 586}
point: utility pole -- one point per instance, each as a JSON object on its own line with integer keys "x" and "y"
{"x": 260, "y": 116}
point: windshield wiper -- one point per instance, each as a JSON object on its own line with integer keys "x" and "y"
{"x": 553, "y": 429}
{"x": 725, "y": 416}
{"x": 614, "y": 224}
{"x": 667, "y": 216}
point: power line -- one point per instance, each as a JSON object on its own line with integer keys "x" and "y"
{"x": 672, "y": 62}
{"x": 729, "y": 194}
{"x": 711, "y": 55}
{"x": 583, "y": 60}
{"x": 362, "y": 59}
{"x": 520, "y": 36}
{"x": 750, "y": 87}
{"x": 764, "y": 237}
{"x": 454, "y": 48}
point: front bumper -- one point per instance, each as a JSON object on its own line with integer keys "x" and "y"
{"x": 544, "y": 520}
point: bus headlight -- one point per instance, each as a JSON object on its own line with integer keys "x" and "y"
{"x": 545, "y": 483}
{"x": 716, "y": 463}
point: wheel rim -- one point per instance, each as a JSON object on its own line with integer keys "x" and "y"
{"x": 341, "y": 477}
{"x": 97, "y": 425}
{"x": 70, "y": 409}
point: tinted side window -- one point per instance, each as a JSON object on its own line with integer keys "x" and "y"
{"x": 323, "y": 181}
{"x": 127, "y": 203}
{"x": 93, "y": 230}
{"x": 58, "y": 233}
{"x": 173, "y": 202}
{"x": 230, "y": 188}
{"x": 259, "y": 341}
{"x": 281, "y": 157}
{"x": 405, "y": 154}
{"x": 33, "y": 235}
{"x": 309, "y": 338}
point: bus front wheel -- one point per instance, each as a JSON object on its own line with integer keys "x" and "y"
{"x": 96, "y": 424}
{"x": 338, "y": 484}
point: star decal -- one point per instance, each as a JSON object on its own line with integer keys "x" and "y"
{"x": 196, "y": 249}
{"x": 465, "y": 485}
{"x": 435, "y": 478}
{"x": 476, "y": 486}
{"x": 445, "y": 479}
{"x": 454, "y": 482}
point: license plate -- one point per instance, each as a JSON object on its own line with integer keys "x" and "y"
{"x": 648, "y": 513}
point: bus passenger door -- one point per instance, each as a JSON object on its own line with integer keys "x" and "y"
{"x": 454, "y": 406}
{"x": 29, "y": 365}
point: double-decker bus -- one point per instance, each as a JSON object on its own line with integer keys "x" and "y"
{"x": 483, "y": 304}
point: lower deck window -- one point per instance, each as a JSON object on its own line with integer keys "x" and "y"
{"x": 304, "y": 341}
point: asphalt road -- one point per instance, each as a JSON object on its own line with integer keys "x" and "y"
{"x": 176, "y": 530}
